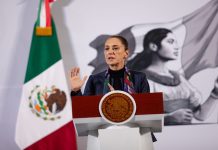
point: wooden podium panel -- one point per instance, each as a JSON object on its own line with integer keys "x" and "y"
{"x": 149, "y": 112}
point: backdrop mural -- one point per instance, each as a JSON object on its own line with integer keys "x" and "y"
{"x": 196, "y": 47}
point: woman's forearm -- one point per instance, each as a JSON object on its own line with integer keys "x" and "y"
{"x": 206, "y": 108}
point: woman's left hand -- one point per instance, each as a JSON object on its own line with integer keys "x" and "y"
{"x": 195, "y": 98}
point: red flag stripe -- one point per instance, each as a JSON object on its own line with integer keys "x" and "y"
{"x": 48, "y": 14}
{"x": 54, "y": 141}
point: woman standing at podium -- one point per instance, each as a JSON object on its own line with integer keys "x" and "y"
{"x": 181, "y": 99}
{"x": 116, "y": 77}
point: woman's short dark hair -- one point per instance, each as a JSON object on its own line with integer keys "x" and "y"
{"x": 122, "y": 40}
{"x": 143, "y": 59}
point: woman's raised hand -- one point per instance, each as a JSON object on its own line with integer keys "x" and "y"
{"x": 75, "y": 81}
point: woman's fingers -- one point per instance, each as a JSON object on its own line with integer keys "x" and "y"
{"x": 188, "y": 115}
{"x": 74, "y": 71}
{"x": 77, "y": 71}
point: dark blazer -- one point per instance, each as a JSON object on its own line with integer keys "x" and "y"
{"x": 95, "y": 84}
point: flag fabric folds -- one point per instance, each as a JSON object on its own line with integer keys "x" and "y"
{"x": 45, "y": 114}
{"x": 197, "y": 34}
{"x": 200, "y": 48}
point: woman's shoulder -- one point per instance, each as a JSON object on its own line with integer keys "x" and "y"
{"x": 138, "y": 74}
{"x": 98, "y": 75}
{"x": 173, "y": 79}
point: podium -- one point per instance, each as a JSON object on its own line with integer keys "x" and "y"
{"x": 134, "y": 134}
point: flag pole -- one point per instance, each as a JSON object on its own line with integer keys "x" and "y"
{"x": 44, "y": 19}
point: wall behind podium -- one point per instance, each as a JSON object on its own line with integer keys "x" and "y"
{"x": 79, "y": 22}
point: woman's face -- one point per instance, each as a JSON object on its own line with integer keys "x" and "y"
{"x": 169, "y": 47}
{"x": 115, "y": 53}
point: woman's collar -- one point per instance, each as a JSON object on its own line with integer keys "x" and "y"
{"x": 163, "y": 79}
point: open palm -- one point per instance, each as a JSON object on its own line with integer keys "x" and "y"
{"x": 75, "y": 80}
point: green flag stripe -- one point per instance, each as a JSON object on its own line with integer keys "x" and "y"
{"x": 44, "y": 52}
{"x": 39, "y": 11}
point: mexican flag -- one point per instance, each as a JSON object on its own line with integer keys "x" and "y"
{"x": 45, "y": 115}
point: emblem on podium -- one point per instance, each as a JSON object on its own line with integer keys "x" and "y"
{"x": 117, "y": 107}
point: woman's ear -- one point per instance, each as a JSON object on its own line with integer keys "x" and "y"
{"x": 153, "y": 47}
{"x": 127, "y": 54}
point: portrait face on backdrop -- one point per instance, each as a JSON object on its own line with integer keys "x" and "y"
{"x": 169, "y": 47}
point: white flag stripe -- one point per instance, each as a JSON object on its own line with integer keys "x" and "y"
{"x": 29, "y": 125}
{"x": 42, "y": 15}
